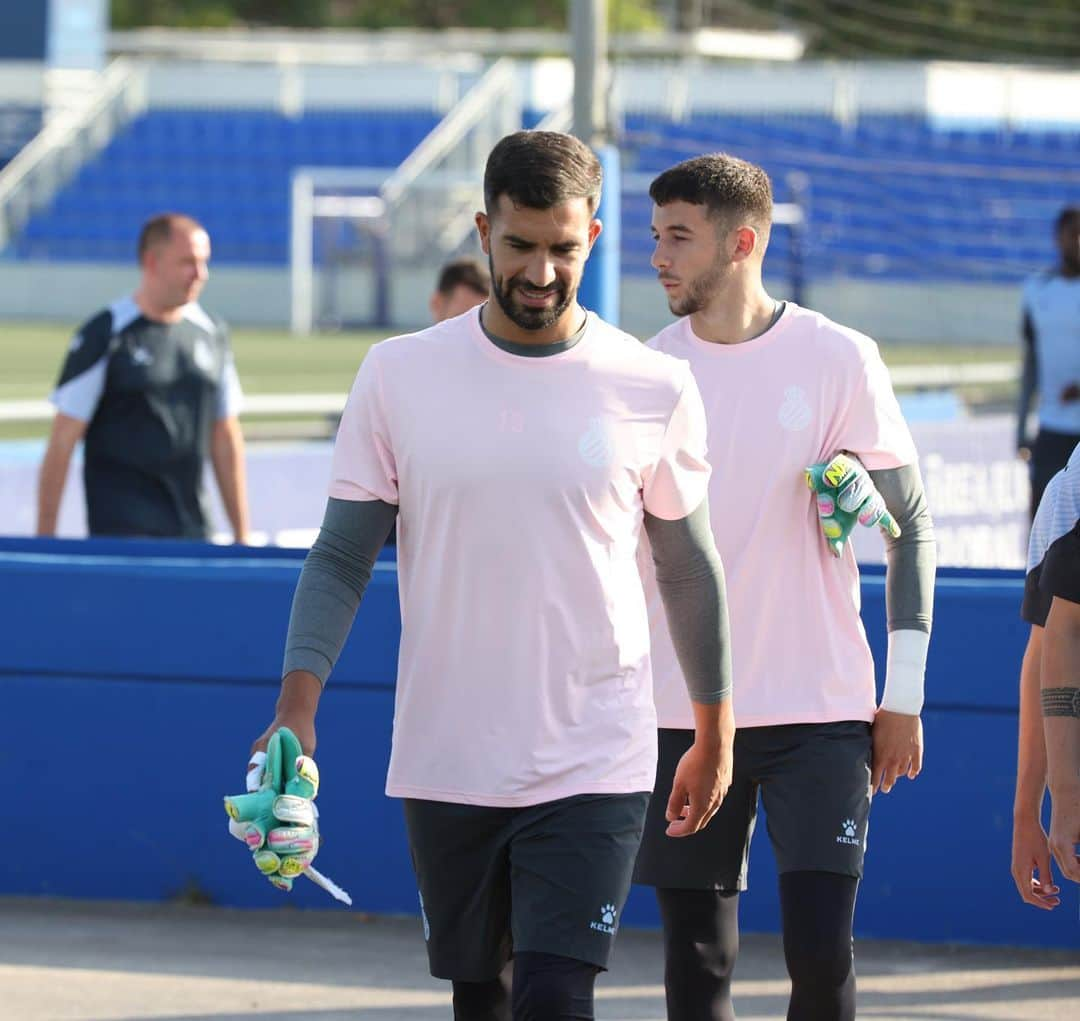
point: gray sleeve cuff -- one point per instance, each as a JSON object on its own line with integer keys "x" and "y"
{"x": 332, "y": 583}
{"x": 690, "y": 577}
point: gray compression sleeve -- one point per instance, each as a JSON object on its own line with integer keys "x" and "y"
{"x": 690, "y": 577}
{"x": 912, "y": 558}
{"x": 336, "y": 572}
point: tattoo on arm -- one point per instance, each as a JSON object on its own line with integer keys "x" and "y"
{"x": 1061, "y": 702}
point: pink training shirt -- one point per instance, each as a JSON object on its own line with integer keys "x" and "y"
{"x": 796, "y": 395}
{"x": 524, "y": 670}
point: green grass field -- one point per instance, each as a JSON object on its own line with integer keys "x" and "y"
{"x": 274, "y": 362}
{"x": 269, "y": 362}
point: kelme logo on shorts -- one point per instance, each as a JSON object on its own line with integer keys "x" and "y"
{"x": 847, "y": 833}
{"x": 607, "y": 920}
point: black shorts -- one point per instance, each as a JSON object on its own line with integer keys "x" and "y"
{"x": 1049, "y": 454}
{"x": 549, "y": 878}
{"x": 814, "y": 780}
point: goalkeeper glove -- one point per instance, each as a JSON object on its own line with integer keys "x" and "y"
{"x": 846, "y": 495}
{"x": 277, "y": 818}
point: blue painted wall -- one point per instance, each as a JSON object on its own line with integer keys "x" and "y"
{"x": 135, "y": 676}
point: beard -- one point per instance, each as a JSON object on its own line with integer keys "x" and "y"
{"x": 523, "y": 316}
{"x": 699, "y": 291}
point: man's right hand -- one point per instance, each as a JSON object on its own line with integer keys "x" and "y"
{"x": 1031, "y": 864}
{"x": 702, "y": 779}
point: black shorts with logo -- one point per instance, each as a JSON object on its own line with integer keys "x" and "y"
{"x": 550, "y": 878}
{"x": 814, "y": 780}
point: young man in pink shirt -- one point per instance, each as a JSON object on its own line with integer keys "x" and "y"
{"x": 784, "y": 388}
{"x": 522, "y": 448}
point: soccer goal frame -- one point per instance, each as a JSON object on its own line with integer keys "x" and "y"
{"x": 416, "y": 214}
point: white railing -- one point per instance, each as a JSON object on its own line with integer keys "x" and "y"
{"x": 441, "y": 180}
{"x": 904, "y": 378}
{"x": 54, "y": 155}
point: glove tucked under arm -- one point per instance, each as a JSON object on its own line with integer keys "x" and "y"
{"x": 846, "y": 496}
{"x": 894, "y": 499}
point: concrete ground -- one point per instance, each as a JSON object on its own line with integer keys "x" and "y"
{"x": 76, "y": 961}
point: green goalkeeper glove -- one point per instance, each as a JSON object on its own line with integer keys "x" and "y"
{"x": 846, "y": 495}
{"x": 277, "y": 818}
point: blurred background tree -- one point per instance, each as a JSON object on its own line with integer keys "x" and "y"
{"x": 624, "y": 15}
{"x": 1021, "y": 30}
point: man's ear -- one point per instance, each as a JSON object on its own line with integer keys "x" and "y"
{"x": 483, "y": 228}
{"x": 596, "y": 227}
{"x": 746, "y": 243}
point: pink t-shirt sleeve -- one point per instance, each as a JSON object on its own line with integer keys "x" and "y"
{"x": 679, "y": 480}
{"x": 872, "y": 426}
{"x": 364, "y": 467}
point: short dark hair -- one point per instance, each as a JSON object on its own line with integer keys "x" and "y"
{"x": 464, "y": 272}
{"x": 1067, "y": 215}
{"x": 728, "y": 186}
{"x": 158, "y": 230}
{"x": 541, "y": 170}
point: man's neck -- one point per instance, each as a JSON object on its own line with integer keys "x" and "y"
{"x": 158, "y": 313}
{"x": 735, "y": 315}
{"x": 1069, "y": 270}
{"x": 498, "y": 323}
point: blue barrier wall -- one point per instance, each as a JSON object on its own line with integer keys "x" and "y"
{"x": 135, "y": 676}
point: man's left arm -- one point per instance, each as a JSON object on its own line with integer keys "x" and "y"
{"x": 909, "y": 601}
{"x": 227, "y": 457}
{"x": 690, "y": 577}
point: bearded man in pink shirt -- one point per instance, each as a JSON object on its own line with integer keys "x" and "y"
{"x": 522, "y": 448}
{"x": 784, "y": 388}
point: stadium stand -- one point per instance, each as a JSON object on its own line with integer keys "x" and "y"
{"x": 888, "y": 197}
{"x": 228, "y": 168}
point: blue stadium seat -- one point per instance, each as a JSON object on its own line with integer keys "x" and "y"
{"x": 231, "y": 168}
{"x": 889, "y": 196}
{"x": 893, "y": 197}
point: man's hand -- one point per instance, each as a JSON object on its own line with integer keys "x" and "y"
{"x": 702, "y": 779}
{"x": 898, "y": 749}
{"x": 845, "y": 495}
{"x": 277, "y": 818}
{"x": 296, "y": 706}
{"x": 1031, "y": 863}
{"x": 1065, "y": 828}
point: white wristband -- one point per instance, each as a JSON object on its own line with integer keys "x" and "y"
{"x": 255, "y": 771}
{"x": 905, "y": 670}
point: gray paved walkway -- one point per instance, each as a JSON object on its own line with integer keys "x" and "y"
{"x": 67, "y": 961}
